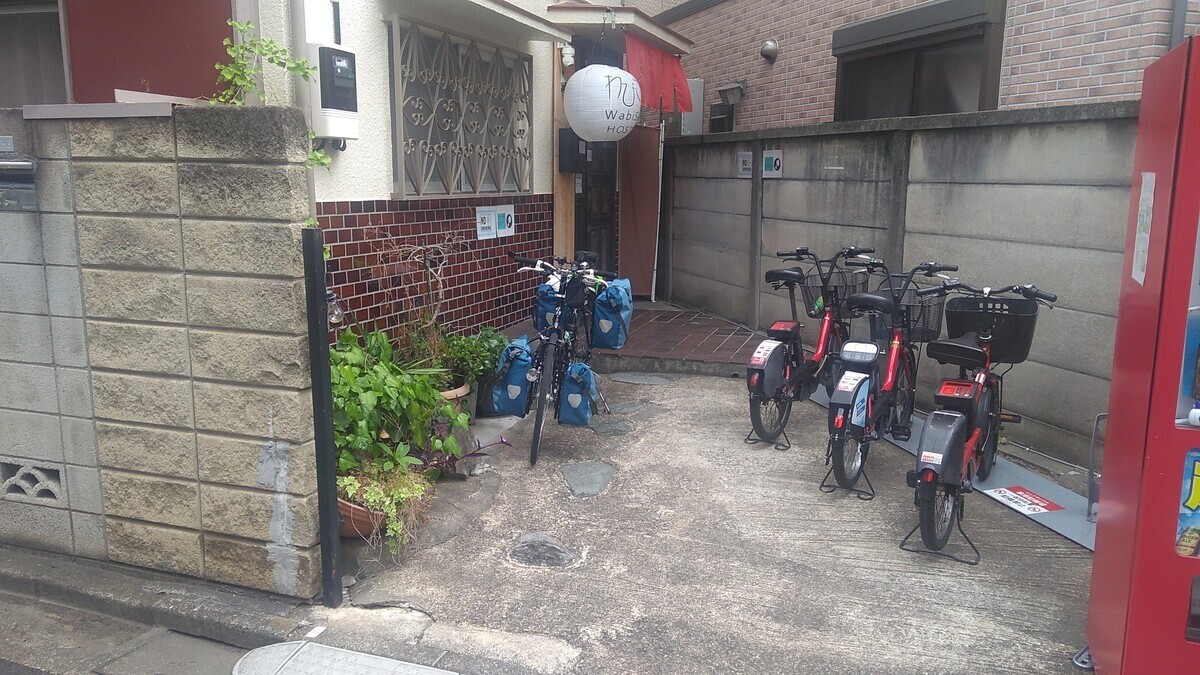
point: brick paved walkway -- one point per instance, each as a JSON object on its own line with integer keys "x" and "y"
{"x": 688, "y": 335}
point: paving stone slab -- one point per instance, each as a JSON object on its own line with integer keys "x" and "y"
{"x": 175, "y": 654}
{"x": 606, "y": 426}
{"x": 587, "y": 479}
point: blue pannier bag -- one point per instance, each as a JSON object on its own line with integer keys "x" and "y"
{"x": 543, "y": 308}
{"x": 612, "y": 314}
{"x": 510, "y": 396}
{"x": 577, "y": 398}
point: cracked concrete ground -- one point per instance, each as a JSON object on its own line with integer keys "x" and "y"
{"x": 704, "y": 554}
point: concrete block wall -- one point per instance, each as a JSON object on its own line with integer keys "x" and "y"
{"x": 1036, "y": 197}
{"x": 710, "y": 224}
{"x": 50, "y": 487}
{"x": 195, "y": 382}
{"x": 1045, "y": 204}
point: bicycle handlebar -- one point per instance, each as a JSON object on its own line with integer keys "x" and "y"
{"x": 1029, "y": 291}
{"x": 798, "y": 252}
{"x": 522, "y": 259}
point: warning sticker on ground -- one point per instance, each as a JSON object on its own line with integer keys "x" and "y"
{"x": 1023, "y": 499}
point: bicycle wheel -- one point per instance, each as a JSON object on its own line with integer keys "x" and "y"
{"x": 848, "y": 465}
{"x": 936, "y": 509}
{"x": 545, "y": 391}
{"x": 769, "y": 416}
{"x": 991, "y": 441}
{"x": 903, "y": 402}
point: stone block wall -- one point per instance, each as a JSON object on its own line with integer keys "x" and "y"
{"x": 1023, "y": 196}
{"x": 173, "y": 272}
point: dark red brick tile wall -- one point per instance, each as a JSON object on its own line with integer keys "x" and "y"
{"x": 483, "y": 286}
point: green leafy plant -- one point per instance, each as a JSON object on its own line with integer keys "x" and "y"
{"x": 242, "y": 75}
{"x": 385, "y": 414}
{"x": 397, "y": 501}
{"x": 472, "y": 357}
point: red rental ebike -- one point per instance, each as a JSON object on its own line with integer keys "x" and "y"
{"x": 779, "y": 372}
{"x": 866, "y": 404}
{"x": 959, "y": 442}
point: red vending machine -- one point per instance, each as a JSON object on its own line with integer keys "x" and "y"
{"x": 1144, "y": 613}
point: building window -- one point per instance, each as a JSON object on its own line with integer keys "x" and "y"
{"x": 934, "y": 58}
{"x": 461, "y": 115}
{"x": 31, "y": 57}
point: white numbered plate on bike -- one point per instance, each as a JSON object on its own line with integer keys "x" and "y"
{"x": 764, "y": 350}
{"x": 931, "y": 457}
{"x": 849, "y": 381}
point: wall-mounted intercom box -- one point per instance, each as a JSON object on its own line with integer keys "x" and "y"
{"x": 333, "y": 93}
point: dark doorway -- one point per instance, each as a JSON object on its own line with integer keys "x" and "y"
{"x": 595, "y": 208}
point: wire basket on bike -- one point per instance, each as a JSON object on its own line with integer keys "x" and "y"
{"x": 1010, "y": 320}
{"x": 922, "y": 316}
{"x": 842, "y": 284}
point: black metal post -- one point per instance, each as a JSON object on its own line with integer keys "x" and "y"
{"x": 322, "y": 397}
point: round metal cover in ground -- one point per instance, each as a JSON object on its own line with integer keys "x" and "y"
{"x": 541, "y": 550}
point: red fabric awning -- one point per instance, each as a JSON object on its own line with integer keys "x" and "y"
{"x": 659, "y": 73}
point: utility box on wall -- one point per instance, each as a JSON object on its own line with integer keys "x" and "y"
{"x": 333, "y": 97}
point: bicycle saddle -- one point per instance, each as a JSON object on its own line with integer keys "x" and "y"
{"x": 788, "y": 275}
{"x": 870, "y": 301}
{"x": 960, "y": 351}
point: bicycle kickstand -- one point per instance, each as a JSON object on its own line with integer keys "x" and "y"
{"x": 607, "y": 410}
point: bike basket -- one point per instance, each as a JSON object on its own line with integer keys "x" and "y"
{"x": 1010, "y": 320}
{"x": 842, "y": 284}
{"x": 922, "y": 316}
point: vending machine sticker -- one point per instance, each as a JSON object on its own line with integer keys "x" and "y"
{"x": 1141, "y": 240}
{"x": 1187, "y": 532}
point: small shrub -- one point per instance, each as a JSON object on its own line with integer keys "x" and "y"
{"x": 401, "y": 497}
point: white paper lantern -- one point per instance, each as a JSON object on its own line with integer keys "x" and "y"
{"x": 602, "y": 103}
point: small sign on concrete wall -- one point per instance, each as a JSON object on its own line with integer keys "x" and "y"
{"x": 485, "y": 222}
{"x": 772, "y": 163}
{"x": 506, "y": 221}
{"x": 745, "y": 165}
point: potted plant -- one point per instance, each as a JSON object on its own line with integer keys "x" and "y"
{"x": 388, "y": 421}
{"x": 472, "y": 359}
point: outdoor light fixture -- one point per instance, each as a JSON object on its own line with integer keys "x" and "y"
{"x": 731, "y": 94}
{"x": 568, "y": 56}
{"x": 336, "y": 314}
{"x": 770, "y": 50}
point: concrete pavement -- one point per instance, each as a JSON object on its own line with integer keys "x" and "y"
{"x": 655, "y": 541}
{"x": 704, "y": 554}
{"x": 41, "y": 637}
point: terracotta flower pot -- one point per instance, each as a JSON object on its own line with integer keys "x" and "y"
{"x": 358, "y": 521}
{"x": 458, "y": 396}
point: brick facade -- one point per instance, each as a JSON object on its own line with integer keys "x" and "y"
{"x": 483, "y": 286}
{"x": 1075, "y": 51}
{"x": 1055, "y": 52}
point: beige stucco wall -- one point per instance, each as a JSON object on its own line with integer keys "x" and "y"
{"x": 364, "y": 169}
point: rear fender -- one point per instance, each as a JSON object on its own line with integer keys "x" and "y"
{"x": 941, "y": 445}
{"x": 764, "y": 373}
{"x": 848, "y": 403}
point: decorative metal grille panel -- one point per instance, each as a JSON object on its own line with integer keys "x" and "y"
{"x": 463, "y": 122}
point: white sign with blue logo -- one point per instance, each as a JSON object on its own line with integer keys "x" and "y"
{"x": 485, "y": 222}
{"x": 772, "y": 163}
{"x": 506, "y": 221}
